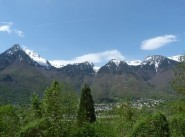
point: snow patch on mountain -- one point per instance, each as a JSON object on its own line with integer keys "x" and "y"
{"x": 58, "y": 63}
{"x": 96, "y": 69}
{"x": 9, "y": 52}
{"x": 177, "y": 58}
{"x": 62, "y": 63}
{"x": 148, "y": 58}
{"x": 36, "y": 57}
{"x": 157, "y": 65}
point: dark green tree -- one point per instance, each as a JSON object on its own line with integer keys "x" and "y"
{"x": 86, "y": 111}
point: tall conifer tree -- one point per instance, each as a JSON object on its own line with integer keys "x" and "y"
{"x": 86, "y": 112}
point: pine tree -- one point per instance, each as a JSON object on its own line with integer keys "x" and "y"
{"x": 86, "y": 112}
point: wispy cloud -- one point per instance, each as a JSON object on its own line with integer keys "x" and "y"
{"x": 19, "y": 33}
{"x": 7, "y": 27}
{"x": 157, "y": 42}
{"x": 96, "y": 58}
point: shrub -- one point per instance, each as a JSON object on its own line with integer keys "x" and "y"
{"x": 177, "y": 126}
{"x": 155, "y": 126}
{"x": 36, "y": 128}
{"x": 87, "y": 130}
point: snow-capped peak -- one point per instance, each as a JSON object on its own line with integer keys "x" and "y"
{"x": 85, "y": 63}
{"x": 36, "y": 57}
{"x": 117, "y": 62}
{"x": 154, "y": 60}
{"x": 13, "y": 49}
{"x": 177, "y": 58}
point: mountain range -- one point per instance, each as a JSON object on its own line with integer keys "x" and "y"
{"x": 22, "y": 72}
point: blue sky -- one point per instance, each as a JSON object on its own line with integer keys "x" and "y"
{"x": 98, "y": 29}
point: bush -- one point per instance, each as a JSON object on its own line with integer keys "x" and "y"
{"x": 155, "y": 126}
{"x": 9, "y": 121}
{"x": 177, "y": 126}
{"x": 36, "y": 128}
{"x": 87, "y": 130}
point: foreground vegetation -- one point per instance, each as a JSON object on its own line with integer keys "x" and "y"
{"x": 58, "y": 115}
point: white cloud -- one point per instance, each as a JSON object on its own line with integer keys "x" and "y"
{"x": 157, "y": 42}
{"x": 7, "y": 27}
{"x": 99, "y": 57}
{"x": 19, "y": 33}
{"x": 96, "y": 58}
